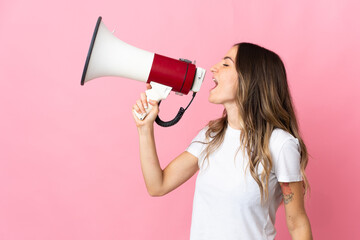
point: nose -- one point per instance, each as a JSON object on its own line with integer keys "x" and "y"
{"x": 213, "y": 69}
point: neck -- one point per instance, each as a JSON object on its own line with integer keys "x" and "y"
{"x": 233, "y": 115}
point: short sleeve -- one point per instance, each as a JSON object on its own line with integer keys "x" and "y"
{"x": 287, "y": 163}
{"x": 196, "y": 148}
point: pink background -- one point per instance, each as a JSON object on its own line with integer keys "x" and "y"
{"x": 69, "y": 160}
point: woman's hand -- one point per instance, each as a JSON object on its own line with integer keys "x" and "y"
{"x": 140, "y": 107}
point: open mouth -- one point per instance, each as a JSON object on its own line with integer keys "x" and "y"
{"x": 216, "y": 83}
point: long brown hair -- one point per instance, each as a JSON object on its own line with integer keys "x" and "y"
{"x": 264, "y": 102}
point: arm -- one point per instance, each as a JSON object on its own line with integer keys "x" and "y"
{"x": 296, "y": 218}
{"x": 159, "y": 182}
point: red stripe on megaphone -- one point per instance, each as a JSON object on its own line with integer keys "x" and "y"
{"x": 173, "y": 73}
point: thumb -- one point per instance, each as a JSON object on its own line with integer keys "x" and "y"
{"x": 155, "y": 106}
{"x": 153, "y": 102}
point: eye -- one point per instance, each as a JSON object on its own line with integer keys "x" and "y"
{"x": 226, "y": 65}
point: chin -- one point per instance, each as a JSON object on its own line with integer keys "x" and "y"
{"x": 211, "y": 100}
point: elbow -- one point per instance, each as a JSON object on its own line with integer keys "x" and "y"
{"x": 153, "y": 193}
{"x": 300, "y": 227}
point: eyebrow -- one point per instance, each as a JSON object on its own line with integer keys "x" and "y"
{"x": 228, "y": 58}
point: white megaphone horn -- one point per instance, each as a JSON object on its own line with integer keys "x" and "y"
{"x": 109, "y": 56}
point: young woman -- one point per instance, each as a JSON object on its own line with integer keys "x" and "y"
{"x": 250, "y": 160}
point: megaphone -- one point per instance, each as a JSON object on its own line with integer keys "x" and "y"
{"x": 109, "y": 56}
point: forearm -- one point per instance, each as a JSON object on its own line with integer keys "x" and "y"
{"x": 302, "y": 230}
{"x": 150, "y": 166}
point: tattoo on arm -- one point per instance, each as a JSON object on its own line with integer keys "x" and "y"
{"x": 287, "y": 193}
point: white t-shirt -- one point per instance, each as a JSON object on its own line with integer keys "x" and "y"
{"x": 227, "y": 202}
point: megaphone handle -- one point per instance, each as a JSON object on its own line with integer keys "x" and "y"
{"x": 157, "y": 93}
{"x": 143, "y": 115}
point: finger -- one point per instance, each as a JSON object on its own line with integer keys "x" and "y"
{"x": 144, "y": 100}
{"x": 136, "y": 112}
{"x": 137, "y": 120}
{"x": 137, "y": 109}
{"x": 140, "y": 105}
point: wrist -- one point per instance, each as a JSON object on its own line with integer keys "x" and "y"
{"x": 146, "y": 129}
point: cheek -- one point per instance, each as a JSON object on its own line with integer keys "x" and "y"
{"x": 230, "y": 90}
{"x": 232, "y": 86}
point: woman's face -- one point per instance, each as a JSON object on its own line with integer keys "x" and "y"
{"x": 225, "y": 78}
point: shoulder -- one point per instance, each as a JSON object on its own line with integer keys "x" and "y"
{"x": 200, "y": 135}
{"x": 202, "y": 132}
{"x": 197, "y": 144}
{"x": 286, "y": 156}
{"x": 280, "y": 135}
{"x": 280, "y": 139}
